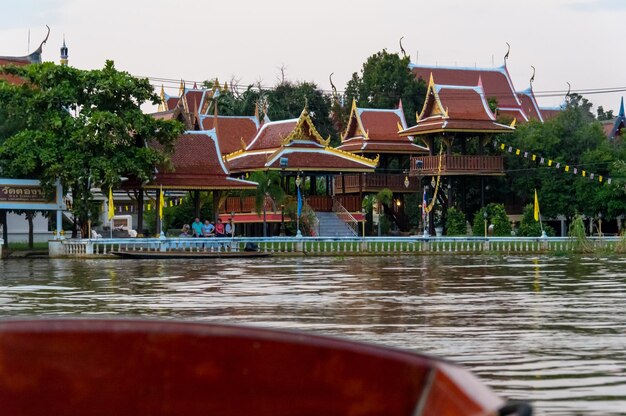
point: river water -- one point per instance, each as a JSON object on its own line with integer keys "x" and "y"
{"x": 547, "y": 329}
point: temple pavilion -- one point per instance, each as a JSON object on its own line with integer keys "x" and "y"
{"x": 453, "y": 118}
{"x": 371, "y": 132}
{"x": 196, "y": 165}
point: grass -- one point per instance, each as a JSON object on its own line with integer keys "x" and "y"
{"x": 24, "y": 246}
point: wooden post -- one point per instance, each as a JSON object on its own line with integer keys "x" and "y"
{"x": 196, "y": 203}
{"x": 158, "y": 220}
{"x": 313, "y": 186}
{"x": 216, "y": 202}
{"x": 361, "y": 187}
{"x": 140, "y": 213}
{"x": 343, "y": 184}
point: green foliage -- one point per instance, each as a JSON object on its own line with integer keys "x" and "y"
{"x": 575, "y": 139}
{"x": 531, "y": 228}
{"x": 604, "y": 115}
{"x": 384, "y": 196}
{"x": 578, "y": 235}
{"x": 269, "y": 191}
{"x": 496, "y": 215}
{"x": 84, "y": 127}
{"x": 386, "y": 79}
{"x": 455, "y": 222}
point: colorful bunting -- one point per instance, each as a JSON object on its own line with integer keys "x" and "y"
{"x": 551, "y": 162}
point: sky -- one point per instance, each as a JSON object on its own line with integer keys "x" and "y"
{"x": 575, "y": 41}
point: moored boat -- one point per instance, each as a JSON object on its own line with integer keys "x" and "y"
{"x": 126, "y": 367}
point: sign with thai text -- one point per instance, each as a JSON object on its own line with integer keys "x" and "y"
{"x": 23, "y": 193}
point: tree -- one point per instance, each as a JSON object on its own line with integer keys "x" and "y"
{"x": 85, "y": 128}
{"x": 386, "y": 79}
{"x": 572, "y": 139}
{"x": 269, "y": 190}
{"x": 288, "y": 99}
{"x": 604, "y": 115}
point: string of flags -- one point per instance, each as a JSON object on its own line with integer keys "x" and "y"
{"x": 566, "y": 167}
{"x": 148, "y": 207}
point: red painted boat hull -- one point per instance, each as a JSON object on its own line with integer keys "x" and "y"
{"x": 132, "y": 367}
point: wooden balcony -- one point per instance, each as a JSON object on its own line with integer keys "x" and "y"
{"x": 478, "y": 165}
{"x": 374, "y": 182}
{"x": 317, "y": 202}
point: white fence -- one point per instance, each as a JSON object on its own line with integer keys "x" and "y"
{"x": 342, "y": 245}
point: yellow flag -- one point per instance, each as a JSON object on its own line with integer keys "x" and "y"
{"x": 161, "y": 204}
{"x": 536, "y": 210}
{"x": 111, "y": 213}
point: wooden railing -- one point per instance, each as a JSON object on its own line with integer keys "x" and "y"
{"x": 374, "y": 182}
{"x": 238, "y": 205}
{"x": 457, "y": 165}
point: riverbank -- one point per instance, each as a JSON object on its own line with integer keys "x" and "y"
{"x": 342, "y": 246}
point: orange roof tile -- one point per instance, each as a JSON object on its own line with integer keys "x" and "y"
{"x": 232, "y": 130}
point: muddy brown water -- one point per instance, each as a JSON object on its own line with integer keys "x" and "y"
{"x": 547, "y": 329}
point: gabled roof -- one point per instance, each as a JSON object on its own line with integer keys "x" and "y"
{"x": 234, "y": 132}
{"x": 453, "y": 108}
{"x": 299, "y": 141}
{"x": 529, "y": 104}
{"x": 550, "y": 112}
{"x": 32, "y": 58}
{"x": 496, "y": 82}
{"x": 376, "y": 131}
{"x": 197, "y": 164}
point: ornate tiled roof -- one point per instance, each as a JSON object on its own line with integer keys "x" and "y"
{"x": 32, "y": 58}
{"x": 453, "y": 108}
{"x": 299, "y": 142}
{"x": 234, "y": 132}
{"x": 376, "y": 131}
{"x": 529, "y": 104}
{"x": 197, "y": 164}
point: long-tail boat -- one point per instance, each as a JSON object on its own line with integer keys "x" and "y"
{"x": 143, "y": 367}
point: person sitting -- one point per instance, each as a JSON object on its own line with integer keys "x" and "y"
{"x": 219, "y": 228}
{"x": 208, "y": 230}
{"x": 196, "y": 227}
{"x": 185, "y": 231}
{"x": 230, "y": 228}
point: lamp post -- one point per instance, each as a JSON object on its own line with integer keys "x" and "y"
{"x": 298, "y": 181}
{"x": 425, "y": 218}
{"x": 363, "y": 211}
{"x": 282, "y": 220}
{"x": 485, "y": 217}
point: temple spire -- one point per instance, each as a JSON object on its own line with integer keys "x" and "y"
{"x": 64, "y": 54}
{"x": 621, "y": 109}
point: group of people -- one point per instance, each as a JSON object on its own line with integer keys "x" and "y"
{"x": 208, "y": 229}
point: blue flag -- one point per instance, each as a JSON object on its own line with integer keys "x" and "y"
{"x": 299, "y": 203}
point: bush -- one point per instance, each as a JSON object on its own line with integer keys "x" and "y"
{"x": 496, "y": 215}
{"x": 529, "y": 227}
{"x": 456, "y": 222}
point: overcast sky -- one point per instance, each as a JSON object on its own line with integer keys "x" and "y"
{"x": 580, "y": 41}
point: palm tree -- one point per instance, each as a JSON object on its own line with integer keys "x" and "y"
{"x": 268, "y": 191}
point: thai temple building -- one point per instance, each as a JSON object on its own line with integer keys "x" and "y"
{"x": 375, "y": 133}
{"x": 452, "y": 118}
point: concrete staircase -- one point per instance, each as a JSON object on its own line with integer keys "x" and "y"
{"x": 330, "y": 225}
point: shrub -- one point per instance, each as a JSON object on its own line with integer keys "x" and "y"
{"x": 531, "y": 228}
{"x": 496, "y": 215}
{"x": 456, "y": 222}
